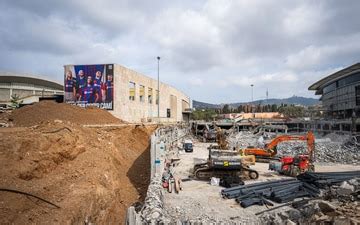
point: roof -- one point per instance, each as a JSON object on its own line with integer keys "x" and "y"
{"x": 334, "y": 77}
{"x": 7, "y": 77}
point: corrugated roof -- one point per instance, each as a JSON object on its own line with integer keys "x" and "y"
{"x": 7, "y": 77}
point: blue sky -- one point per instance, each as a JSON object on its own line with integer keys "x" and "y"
{"x": 211, "y": 50}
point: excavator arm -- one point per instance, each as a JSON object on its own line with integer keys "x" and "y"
{"x": 270, "y": 148}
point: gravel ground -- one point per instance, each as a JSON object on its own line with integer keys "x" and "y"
{"x": 199, "y": 201}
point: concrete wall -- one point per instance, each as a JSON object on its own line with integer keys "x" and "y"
{"x": 143, "y": 111}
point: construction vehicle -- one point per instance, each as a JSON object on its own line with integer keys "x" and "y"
{"x": 269, "y": 151}
{"x": 188, "y": 146}
{"x": 295, "y": 165}
{"x": 223, "y": 164}
{"x": 221, "y": 139}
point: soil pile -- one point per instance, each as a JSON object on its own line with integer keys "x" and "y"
{"x": 92, "y": 174}
{"x": 45, "y": 111}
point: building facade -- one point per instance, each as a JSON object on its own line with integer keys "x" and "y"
{"x": 28, "y": 88}
{"x": 340, "y": 97}
{"x": 340, "y": 93}
{"x": 134, "y": 97}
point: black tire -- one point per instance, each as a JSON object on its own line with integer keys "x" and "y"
{"x": 311, "y": 168}
{"x": 294, "y": 171}
{"x": 253, "y": 175}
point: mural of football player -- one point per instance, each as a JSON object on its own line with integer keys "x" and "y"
{"x": 109, "y": 87}
{"x": 70, "y": 87}
{"x": 97, "y": 84}
{"x": 81, "y": 83}
{"x": 88, "y": 93}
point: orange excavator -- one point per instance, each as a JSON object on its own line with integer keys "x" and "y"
{"x": 270, "y": 151}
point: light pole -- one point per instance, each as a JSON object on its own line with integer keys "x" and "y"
{"x": 252, "y": 98}
{"x": 252, "y": 94}
{"x": 158, "y": 92}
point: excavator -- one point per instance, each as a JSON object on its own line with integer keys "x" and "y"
{"x": 269, "y": 151}
{"x": 298, "y": 164}
{"x": 223, "y": 162}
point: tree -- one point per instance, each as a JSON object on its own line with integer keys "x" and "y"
{"x": 274, "y": 108}
{"x": 226, "y": 109}
{"x": 15, "y": 101}
{"x": 203, "y": 114}
{"x": 292, "y": 111}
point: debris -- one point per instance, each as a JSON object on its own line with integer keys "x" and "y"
{"x": 215, "y": 181}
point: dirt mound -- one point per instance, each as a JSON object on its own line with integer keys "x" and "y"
{"x": 93, "y": 174}
{"x": 45, "y": 111}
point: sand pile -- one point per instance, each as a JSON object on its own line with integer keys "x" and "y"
{"x": 45, "y": 111}
{"x": 93, "y": 174}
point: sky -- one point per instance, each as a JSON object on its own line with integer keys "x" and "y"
{"x": 212, "y": 50}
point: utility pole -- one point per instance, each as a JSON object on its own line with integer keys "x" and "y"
{"x": 267, "y": 99}
{"x": 252, "y": 98}
{"x": 158, "y": 87}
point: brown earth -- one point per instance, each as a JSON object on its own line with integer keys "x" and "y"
{"x": 93, "y": 174}
{"x": 46, "y": 111}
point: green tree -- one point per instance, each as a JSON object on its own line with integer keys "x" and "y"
{"x": 274, "y": 108}
{"x": 15, "y": 101}
{"x": 226, "y": 109}
{"x": 292, "y": 111}
{"x": 203, "y": 114}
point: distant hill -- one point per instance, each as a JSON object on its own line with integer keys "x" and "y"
{"x": 296, "y": 100}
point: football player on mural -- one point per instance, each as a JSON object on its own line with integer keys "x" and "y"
{"x": 88, "y": 93}
{"x": 109, "y": 88}
{"x": 70, "y": 84}
{"x": 81, "y": 83}
{"x": 97, "y": 86}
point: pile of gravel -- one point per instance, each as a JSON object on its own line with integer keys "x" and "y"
{"x": 344, "y": 149}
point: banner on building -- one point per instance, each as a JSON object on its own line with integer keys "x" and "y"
{"x": 89, "y": 85}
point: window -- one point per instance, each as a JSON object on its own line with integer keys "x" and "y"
{"x": 350, "y": 79}
{"x": 131, "y": 91}
{"x": 157, "y": 97}
{"x": 150, "y": 94}
{"x": 357, "y": 94}
{"x": 142, "y": 93}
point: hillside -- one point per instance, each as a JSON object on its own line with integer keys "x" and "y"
{"x": 296, "y": 100}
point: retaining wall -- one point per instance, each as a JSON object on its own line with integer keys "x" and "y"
{"x": 164, "y": 141}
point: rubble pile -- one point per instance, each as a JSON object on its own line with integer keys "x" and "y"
{"x": 243, "y": 139}
{"x": 344, "y": 149}
{"x": 344, "y": 208}
{"x": 153, "y": 206}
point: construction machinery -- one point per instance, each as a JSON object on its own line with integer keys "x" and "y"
{"x": 221, "y": 139}
{"x": 223, "y": 164}
{"x": 295, "y": 165}
{"x": 270, "y": 150}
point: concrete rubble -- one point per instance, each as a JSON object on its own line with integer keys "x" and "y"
{"x": 331, "y": 148}
{"x": 344, "y": 150}
{"x": 153, "y": 206}
{"x": 341, "y": 207}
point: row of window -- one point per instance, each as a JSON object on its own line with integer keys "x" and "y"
{"x": 357, "y": 94}
{"x": 342, "y": 82}
{"x": 142, "y": 94}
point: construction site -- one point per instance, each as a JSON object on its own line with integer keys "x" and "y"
{"x": 180, "y": 112}
{"x": 64, "y": 164}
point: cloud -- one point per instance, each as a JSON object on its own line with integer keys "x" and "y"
{"x": 211, "y": 49}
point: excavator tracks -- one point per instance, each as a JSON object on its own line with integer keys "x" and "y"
{"x": 205, "y": 173}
